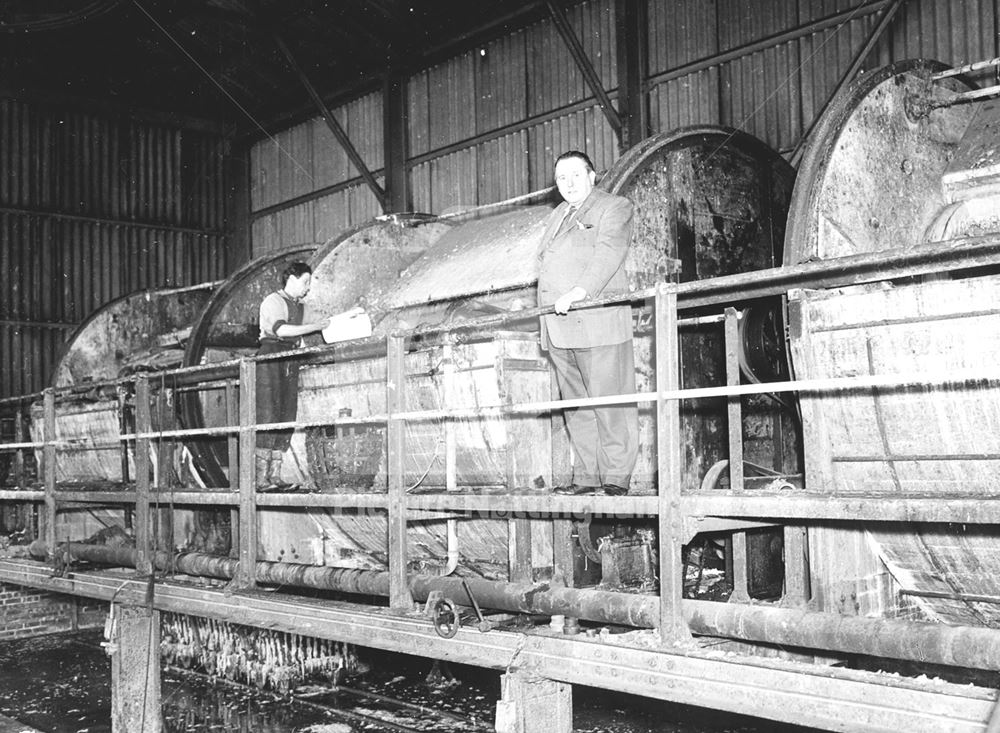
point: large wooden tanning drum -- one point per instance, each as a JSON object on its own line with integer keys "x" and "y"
{"x": 895, "y": 166}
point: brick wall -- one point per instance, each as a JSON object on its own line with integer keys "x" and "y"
{"x": 30, "y": 612}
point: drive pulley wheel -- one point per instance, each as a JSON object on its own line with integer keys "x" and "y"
{"x": 445, "y": 618}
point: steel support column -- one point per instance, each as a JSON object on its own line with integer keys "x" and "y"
{"x": 631, "y": 32}
{"x": 395, "y": 117}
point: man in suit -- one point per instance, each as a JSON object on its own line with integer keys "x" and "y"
{"x": 582, "y": 257}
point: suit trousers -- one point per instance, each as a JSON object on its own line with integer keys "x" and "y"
{"x": 604, "y": 439}
{"x": 277, "y": 395}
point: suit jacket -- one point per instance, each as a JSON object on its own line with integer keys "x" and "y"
{"x": 587, "y": 249}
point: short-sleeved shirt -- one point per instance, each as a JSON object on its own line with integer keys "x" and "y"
{"x": 275, "y": 310}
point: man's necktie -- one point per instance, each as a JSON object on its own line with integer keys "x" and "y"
{"x": 567, "y": 218}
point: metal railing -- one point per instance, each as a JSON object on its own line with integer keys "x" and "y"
{"x": 673, "y": 506}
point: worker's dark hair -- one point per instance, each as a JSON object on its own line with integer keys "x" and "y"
{"x": 576, "y": 154}
{"x": 296, "y": 269}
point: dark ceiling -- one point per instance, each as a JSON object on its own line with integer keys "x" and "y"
{"x": 219, "y": 60}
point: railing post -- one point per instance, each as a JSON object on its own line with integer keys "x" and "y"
{"x": 399, "y": 590}
{"x": 735, "y": 403}
{"x": 19, "y": 453}
{"x": 450, "y": 438}
{"x": 796, "y": 567}
{"x": 30, "y": 510}
{"x": 164, "y": 525}
{"x": 233, "y": 444}
{"x": 673, "y": 627}
{"x": 143, "y": 426}
{"x": 49, "y": 468}
{"x": 738, "y": 548}
{"x": 246, "y": 573}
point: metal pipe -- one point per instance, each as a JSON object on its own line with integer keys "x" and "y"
{"x": 966, "y": 597}
{"x": 453, "y": 553}
{"x": 966, "y": 69}
{"x": 346, "y": 580}
{"x": 960, "y": 646}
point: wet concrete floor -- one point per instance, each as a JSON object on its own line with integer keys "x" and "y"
{"x": 60, "y": 683}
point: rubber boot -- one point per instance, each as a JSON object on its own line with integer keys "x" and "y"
{"x": 262, "y": 469}
{"x": 274, "y": 472}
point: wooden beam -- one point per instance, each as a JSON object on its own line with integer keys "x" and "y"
{"x": 135, "y": 669}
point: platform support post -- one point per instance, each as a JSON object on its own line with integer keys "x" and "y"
{"x": 530, "y": 704}
{"x": 741, "y": 592}
{"x": 796, "y": 567}
{"x": 135, "y": 669}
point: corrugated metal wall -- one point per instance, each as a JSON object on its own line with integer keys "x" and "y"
{"x": 486, "y": 124}
{"x": 93, "y": 208}
{"x": 307, "y": 162}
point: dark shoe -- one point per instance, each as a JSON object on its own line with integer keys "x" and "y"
{"x": 612, "y": 490}
{"x": 575, "y": 490}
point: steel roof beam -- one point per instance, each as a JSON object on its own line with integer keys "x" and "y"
{"x": 583, "y": 63}
{"x": 331, "y": 122}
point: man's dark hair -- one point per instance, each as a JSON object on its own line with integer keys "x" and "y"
{"x": 576, "y": 154}
{"x": 296, "y": 269}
